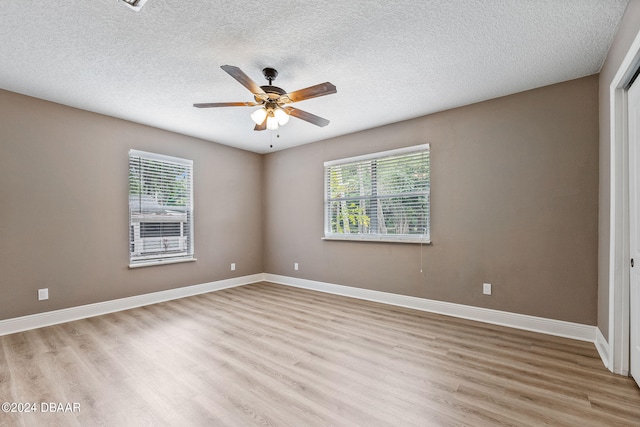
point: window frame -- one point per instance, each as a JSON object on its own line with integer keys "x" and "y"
{"x": 186, "y": 239}
{"x": 424, "y": 238}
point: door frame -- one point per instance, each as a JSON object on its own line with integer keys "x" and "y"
{"x": 619, "y": 265}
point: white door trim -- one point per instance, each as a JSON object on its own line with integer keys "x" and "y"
{"x": 619, "y": 214}
{"x": 633, "y": 117}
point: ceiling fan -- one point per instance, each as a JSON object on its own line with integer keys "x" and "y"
{"x": 274, "y": 101}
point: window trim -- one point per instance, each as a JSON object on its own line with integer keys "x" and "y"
{"x": 190, "y": 256}
{"x": 386, "y": 238}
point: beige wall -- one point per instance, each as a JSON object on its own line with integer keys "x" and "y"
{"x": 64, "y": 208}
{"x": 514, "y": 203}
{"x": 627, "y": 31}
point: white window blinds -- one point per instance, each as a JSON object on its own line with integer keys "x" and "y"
{"x": 160, "y": 208}
{"x": 382, "y": 196}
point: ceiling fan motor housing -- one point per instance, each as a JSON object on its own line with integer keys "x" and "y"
{"x": 273, "y": 92}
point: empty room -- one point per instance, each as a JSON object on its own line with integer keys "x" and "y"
{"x": 413, "y": 213}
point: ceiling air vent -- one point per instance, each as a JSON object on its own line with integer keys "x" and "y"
{"x": 134, "y": 4}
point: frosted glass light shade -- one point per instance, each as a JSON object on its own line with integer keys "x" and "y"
{"x": 259, "y": 115}
{"x": 281, "y": 116}
{"x": 272, "y": 123}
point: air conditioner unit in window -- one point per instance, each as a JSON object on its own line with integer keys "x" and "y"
{"x": 158, "y": 245}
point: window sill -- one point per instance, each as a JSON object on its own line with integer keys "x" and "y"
{"x": 378, "y": 240}
{"x": 161, "y": 262}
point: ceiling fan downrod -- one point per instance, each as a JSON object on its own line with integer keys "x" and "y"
{"x": 270, "y": 74}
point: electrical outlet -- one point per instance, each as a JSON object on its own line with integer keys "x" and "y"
{"x": 486, "y": 288}
{"x": 295, "y": 266}
{"x": 233, "y": 266}
{"x": 43, "y": 294}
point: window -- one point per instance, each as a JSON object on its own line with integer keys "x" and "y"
{"x": 160, "y": 209}
{"x": 380, "y": 197}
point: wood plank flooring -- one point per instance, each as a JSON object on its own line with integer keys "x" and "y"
{"x": 271, "y": 355}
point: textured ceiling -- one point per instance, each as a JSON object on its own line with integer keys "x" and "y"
{"x": 390, "y": 61}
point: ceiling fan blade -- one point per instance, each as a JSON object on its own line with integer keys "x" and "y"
{"x": 262, "y": 126}
{"x": 308, "y": 117}
{"x": 243, "y": 79}
{"x": 225, "y": 104}
{"x": 321, "y": 89}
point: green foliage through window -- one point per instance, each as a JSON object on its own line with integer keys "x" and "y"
{"x": 383, "y": 196}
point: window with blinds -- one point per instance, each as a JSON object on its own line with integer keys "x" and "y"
{"x": 160, "y": 209}
{"x": 380, "y": 197}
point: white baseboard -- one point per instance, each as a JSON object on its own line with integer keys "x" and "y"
{"x": 519, "y": 321}
{"x": 39, "y": 320}
{"x": 603, "y": 348}
{"x": 560, "y": 328}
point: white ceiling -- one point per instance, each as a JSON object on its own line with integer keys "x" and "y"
{"x": 390, "y": 60}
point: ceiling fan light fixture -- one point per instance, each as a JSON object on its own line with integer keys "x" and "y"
{"x": 259, "y": 115}
{"x": 281, "y": 116}
{"x": 272, "y": 121}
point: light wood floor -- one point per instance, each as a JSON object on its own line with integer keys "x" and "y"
{"x": 272, "y": 355}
